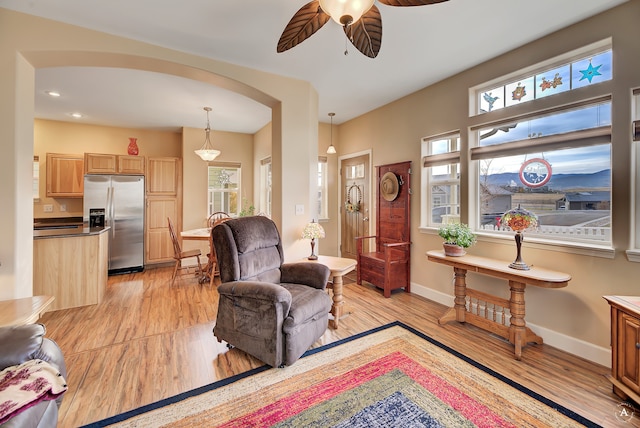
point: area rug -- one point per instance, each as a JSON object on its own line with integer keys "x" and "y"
{"x": 392, "y": 376}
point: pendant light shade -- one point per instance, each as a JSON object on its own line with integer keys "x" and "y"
{"x": 207, "y": 152}
{"x": 331, "y": 150}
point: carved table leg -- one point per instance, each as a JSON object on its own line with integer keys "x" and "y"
{"x": 519, "y": 333}
{"x": 338, "y": 301}
{"x": 458, "y": 311}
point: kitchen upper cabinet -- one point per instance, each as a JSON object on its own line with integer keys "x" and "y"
{"x": 99, "y": 163}
{"x": 163, "y": 176}
{"x": 104, "y": 163}
{"x": 65, "y": 176}
{"x": 130, "y": 164}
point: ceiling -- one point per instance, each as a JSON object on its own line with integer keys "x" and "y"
{"x": 420, "y": 46}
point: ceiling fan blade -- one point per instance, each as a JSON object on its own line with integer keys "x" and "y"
{"x": 309, "y": 19}
{"x": 410, "y": 2}
{"x": 366, "y": 33}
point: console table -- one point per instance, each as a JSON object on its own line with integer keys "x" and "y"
{"x": 490, "y": 312}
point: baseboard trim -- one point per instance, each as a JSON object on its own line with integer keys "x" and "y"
{"x": 586, "y": 350}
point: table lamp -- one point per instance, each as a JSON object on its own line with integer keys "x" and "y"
{"x": 518, "y": 220}
{"x": 313, "y": 231}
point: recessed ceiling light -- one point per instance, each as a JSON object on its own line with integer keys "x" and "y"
{"x": 52, "y": 93}
{"x": 76, "y": 115}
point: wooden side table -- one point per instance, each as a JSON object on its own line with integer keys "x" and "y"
{"x": 23, "y": 311}
{"x": 517, "y": 331}
{"x": 625, "y": 346}
{"x": 339, "y": 267}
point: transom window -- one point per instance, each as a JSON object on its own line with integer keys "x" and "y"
{"x": 588, "y": 68}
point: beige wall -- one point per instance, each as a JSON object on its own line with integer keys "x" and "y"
{"x": 577, "y": 317}
{"x": 75, "y": 138}
{"x": 28, "y": 42}
{"x": 234, "y": 147}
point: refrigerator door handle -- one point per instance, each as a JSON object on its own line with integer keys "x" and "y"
{"x": 112, "y": 208}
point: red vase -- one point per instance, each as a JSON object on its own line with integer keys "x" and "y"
{"x": 132, "y": 149}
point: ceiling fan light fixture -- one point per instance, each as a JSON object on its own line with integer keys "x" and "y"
{"x": 346, "y": 12}
{"x": 207, "y": 152}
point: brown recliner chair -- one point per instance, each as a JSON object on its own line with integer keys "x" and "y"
{"x": 18, "y": 345}
{"x": 268, "y": 309}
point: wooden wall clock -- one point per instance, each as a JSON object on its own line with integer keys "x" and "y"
{"x": 535, "y": 172}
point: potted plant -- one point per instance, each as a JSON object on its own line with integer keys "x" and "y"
{"x": 457, "y": 237}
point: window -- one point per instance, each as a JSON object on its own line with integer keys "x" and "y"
{"x": 592, "y": 66}
{"x": 265, "y": 186}
{"x": 224, "y": 188}
{"x": 441, "y": 179}
{"x": 556, "y": 165}
{"x": 323, "y": 197}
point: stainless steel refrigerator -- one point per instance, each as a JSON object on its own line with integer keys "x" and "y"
{"x": 122, "y": 199}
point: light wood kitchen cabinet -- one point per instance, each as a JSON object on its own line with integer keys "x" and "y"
{"x": 99, "y": 163}
{"x": 72, "y": 267}
{"x": 65, "y": 177}
{"x": 164, "y": 193}
{"x": 158, "y": 245}
{"x": 130, "y": 164}
{"x": 625, "y": 346}
{"x": 163, "y": 176}
{"x": 104, "y": 163}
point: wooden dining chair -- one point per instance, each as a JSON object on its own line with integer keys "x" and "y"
{"x": 180, "y": 255}
{"x": 212, "y": 266}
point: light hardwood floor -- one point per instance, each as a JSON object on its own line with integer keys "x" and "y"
{"x": 148, "y": 341}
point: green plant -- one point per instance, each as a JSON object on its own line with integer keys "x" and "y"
{"x": 457, "y": 234}
{"x": 247, "y": 209}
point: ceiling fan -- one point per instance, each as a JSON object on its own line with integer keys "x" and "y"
{"x": 360, "y": 20}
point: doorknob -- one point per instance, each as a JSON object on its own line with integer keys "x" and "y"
{"x": 365, "y": 219}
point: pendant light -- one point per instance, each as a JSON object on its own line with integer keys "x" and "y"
{"x": 331, "y": 150}
{"x": 207, "y": 152}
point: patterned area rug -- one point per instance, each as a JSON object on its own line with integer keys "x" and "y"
{"x": 393, "y": 376}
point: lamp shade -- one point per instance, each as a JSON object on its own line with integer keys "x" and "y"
{"x": 339, "y": 8}
{"x": 519, "y": 219}
{"x": 313, "y": 230}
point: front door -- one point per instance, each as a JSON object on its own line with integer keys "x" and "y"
{"x": 354, "y": 197}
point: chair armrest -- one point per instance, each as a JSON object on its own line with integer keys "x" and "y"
{"x": 396, "y": 244}
{"x": 365, "y": 237}
{"x": 20, "y": 343}
{"x": 255, "y": 290}
{"x": 314, "y": 275}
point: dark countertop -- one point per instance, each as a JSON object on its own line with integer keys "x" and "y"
{"x": 69, "y": 232}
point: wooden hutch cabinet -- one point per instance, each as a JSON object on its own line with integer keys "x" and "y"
{"x": 625, "y": 346}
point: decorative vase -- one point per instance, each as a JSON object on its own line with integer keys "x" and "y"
{"x": 453, "y": 250}
{"x": 132, "y": 149}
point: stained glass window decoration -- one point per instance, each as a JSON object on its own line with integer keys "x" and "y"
{"x": 492, "y": 100}
{"x": 553, "y": 81}
{"x": 591, "y": 70}
{"x": 520, "y": 91}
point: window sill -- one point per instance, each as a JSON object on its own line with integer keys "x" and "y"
{"x": 633, "y": 255}
{"x": 593, "y": 250}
